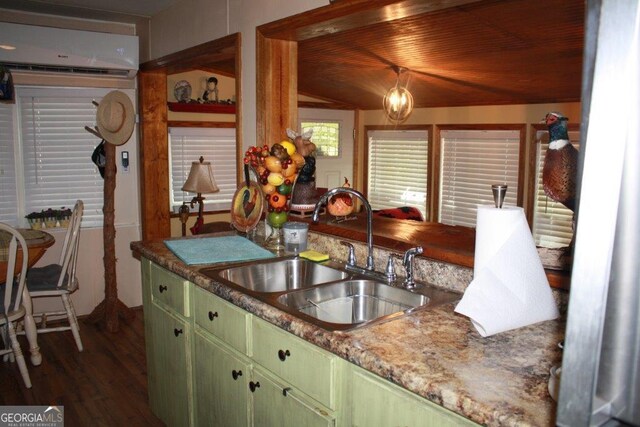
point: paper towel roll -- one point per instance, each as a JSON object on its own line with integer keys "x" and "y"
{"x": 509, "y": 288}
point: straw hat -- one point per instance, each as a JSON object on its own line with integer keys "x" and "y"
{"x": 115, "y": 117}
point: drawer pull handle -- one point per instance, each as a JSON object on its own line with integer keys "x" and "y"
{"x": 235, "y": 374}
{"x": 285, "y": 391}
{"x": 283, "y": 354}
{"x": 212, "y": 315}
{"x": 177, "y": 331}
{"x": 253, "y": 386}
{"x": 162, "y": 288}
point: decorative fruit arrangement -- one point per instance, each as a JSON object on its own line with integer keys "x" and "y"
{"x": 341, "y": 204}
{"x": 277, "y": 168}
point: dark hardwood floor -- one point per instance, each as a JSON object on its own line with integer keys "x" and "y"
{"x": 105, "y": 385}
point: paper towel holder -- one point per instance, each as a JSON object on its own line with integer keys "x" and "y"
{"x": 499, "y": 192}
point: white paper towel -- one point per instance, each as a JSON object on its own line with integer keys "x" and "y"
{"x": 509, "y": 288}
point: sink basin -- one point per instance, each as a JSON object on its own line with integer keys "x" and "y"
{"x": 279, "y": 275}
{"x": 352, "y": 303}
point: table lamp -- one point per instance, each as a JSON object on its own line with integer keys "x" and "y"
{"x": 200, "y": 180}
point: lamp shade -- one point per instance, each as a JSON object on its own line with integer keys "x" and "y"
{"x": 200, "y": 178}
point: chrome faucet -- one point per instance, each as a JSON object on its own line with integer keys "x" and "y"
{"x": 407, "y": 263}
{"x": 325, "y": 197}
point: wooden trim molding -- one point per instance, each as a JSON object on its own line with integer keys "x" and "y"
{"x": 154, "y": 149}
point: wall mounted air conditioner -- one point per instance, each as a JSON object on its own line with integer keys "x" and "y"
{"x": 33, "y": 48}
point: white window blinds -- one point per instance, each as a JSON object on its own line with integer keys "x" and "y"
{"x": 397, "y": 169}
{"x": 552, "y": 221}
{"x": 216, "y": 145}
{"x": 57, "y": 152}
{"x": 473, "y": 160}
{"x": 8, "y": 191}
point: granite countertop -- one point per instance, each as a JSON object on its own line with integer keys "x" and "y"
{"x": 437, "y": 354}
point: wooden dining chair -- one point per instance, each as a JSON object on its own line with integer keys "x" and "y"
{"x": 11, "y": 308}
{"x": 60, "y": 280}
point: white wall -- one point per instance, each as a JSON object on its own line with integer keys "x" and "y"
{"x": 191, "y": 22}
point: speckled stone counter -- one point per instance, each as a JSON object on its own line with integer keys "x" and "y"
{"x": 437, "y": 354}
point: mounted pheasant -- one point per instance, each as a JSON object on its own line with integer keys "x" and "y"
{"x": 560, "y": 169}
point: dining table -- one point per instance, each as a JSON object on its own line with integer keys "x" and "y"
{"x": 38, "y": 242}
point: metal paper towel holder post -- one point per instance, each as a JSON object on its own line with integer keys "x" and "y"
{"x": 499, "y": 192}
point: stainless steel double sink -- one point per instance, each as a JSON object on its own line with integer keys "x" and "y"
{"x": 325, "y": 294}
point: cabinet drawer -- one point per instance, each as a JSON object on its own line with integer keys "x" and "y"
{"x": 305, "y": 366}
{"x": 222, "y": 319}
{"x": 169, "y": 289}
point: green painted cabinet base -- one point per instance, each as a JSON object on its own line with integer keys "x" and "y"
{"x": 211, "y": 363}
{"x": 169, "y": 396}
{"x": 377, "y": 402}
{"x": 276, "y": 404}
{"x": 221, "y": 384}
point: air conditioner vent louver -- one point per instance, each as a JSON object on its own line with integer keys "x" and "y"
{"x": 71, "y": 70}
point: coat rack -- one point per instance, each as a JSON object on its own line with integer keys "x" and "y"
{"x": 111, "y": 309}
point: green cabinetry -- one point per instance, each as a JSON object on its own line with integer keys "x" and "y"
{"x": 221, "y": 384}
{"x": 277, "y": 404}
{"x": 377, "y": 402}
{"x": 167, "y": 335}
{"x": 211, "y": 363}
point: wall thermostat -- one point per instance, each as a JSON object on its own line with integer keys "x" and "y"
{"x": 125, "y": 161}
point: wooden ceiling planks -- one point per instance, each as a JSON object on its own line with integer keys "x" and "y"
{"x": 481, "y": 53}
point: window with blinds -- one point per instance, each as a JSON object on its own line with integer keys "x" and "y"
{"x": 471, "y": 161}
{"x": 398, "y": 169}
{"x": 57, "y": 150}
{"x": 216, "y": 145}
{"x": 8, "y": 190}
{"x": 552, "y": 221}
{"x": 326, "y": 137}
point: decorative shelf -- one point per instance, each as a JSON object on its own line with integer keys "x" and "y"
{"x": 193, "y": 107}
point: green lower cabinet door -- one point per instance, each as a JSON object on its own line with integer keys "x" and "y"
{"x": 276, "y": 405}
{"x": 379, "y": 403}
{"x": 221, "y": 385}
{"x": 169, "y": 393}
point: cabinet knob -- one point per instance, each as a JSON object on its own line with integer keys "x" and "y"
{"x": 253, "y": 386}
{"x": 177, "y": 331}
{"x": 212, "y": 315}
{"x": 283, "y": 354}
{"x": 162, "y": 288}
{"x": 235, "y": 374}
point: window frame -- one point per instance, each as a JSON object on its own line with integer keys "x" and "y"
{"x": 340, "y": 130}
{"x": 430, "y": 165}
{"x": 199, "y": 124}
{"x": 437, "y": 148}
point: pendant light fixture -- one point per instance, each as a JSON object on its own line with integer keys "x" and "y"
{"x": 398, "y": 102}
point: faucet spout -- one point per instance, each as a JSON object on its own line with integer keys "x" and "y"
{"x": 326, "y": 196}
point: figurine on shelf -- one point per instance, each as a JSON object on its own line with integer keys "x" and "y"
{"x": 304, "y": 196}
{"x": 210, "y": 95}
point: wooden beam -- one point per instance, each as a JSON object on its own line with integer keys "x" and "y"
{"x": 154, "y": 155}
{"x": 342, "y": 16}
{"x": 205, "y": 54}
{"x": 277, "y": 89}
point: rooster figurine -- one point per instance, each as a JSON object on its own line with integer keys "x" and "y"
{"x": 560, "y": 162}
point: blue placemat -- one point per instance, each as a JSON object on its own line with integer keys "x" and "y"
{"x": 209, "y": 250}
